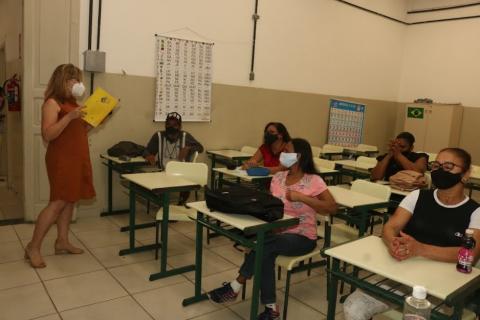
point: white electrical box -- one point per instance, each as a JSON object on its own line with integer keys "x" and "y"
{"x": 94, "y": 61}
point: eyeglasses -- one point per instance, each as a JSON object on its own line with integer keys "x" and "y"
{"x": 447, "y": 166}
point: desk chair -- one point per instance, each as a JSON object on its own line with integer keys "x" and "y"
{"x": 367, "y": 160}
{"x": 294, "y": 264}
{"x": 316, "y": 152}
{"x": 474, "y": 185}
{"x": 249, "y": 150}
{"x": 323, "y": 163}
{"x": 367, "y": 148}
{"x": 195, "y": 172}
{"x": 326, "y": 164}
{"x": 330, "y": 150}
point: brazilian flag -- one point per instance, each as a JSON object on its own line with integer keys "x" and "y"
{"x": 415, "y": 112}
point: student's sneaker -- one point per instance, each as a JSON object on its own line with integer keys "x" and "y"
{"x": 269, "y": 314}
{"x": 223, "y": 294}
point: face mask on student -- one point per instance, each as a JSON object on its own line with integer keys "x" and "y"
{"x": 444, "y": 180}
{"x": 78, "y": 89}
{"x": 288, "y": 159}
{"x": 269, "y": 138}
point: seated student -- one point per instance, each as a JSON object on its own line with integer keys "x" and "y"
{"x": 399, "y": 157}
{"x": 427, "y": 223}
{"x": 304, "y": 194}
{"x": 275, "y": 141}
{"x": 171, "y": 144}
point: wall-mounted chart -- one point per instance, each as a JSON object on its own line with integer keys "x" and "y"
{"x": 345, "y": 125}
{"x": 184, "y": 78}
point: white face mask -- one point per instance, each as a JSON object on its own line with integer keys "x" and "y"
{"x": 288, "y": 159}
{"x": 78, "y": 89}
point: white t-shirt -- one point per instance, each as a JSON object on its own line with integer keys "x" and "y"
{"x": 410, "y": 201}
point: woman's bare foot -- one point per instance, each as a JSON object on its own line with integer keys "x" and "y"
{"x": 34, "y": 256}
{"x": 66, "y": 248}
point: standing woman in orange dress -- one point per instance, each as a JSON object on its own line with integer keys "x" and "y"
{"x": 68, "y": 161}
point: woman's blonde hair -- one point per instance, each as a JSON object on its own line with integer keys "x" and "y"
{"x": 57, "y": 85}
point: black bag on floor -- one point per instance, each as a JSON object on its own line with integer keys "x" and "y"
{"x": 241, "y": 200}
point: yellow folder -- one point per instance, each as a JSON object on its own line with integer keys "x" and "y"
{"x": 98, "y": 106}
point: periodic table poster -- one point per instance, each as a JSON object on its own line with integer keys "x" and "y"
{"x": 184, "y": 78}
{"x": 345, "y": 125}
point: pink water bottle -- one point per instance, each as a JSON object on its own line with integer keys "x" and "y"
{"x": 465, "y": 254}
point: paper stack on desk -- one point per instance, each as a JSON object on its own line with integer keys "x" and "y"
{"x": 98, "y": 106}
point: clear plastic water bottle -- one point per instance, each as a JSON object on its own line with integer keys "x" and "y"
{"x": 465, "y": 254}
{"x": 416, "y": 306}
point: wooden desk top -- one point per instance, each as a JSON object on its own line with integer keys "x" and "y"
{"x": 370, "y": 253}
{"x": 242, "y": 174}
{"x": 118, "y": 161}
{"x": 355, "y": 164}
{"x": 159, "y": 181}
{"x": 230, "y": 154}
{"x": 351, "y": 199}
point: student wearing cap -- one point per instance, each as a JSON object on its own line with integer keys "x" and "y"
{"x": 400, "y": 156}
{"x": 171, "y": 144}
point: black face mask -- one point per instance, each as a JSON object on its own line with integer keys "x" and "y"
{"x": 269, "y": 138}
{"x": 444, "y": 180}
{"x": 172, "y": 133}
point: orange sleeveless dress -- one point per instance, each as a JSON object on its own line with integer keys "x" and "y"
{"x": 68, "y": 161}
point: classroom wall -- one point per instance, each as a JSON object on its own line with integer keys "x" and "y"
{"x": 316, "y": 46}
{"x": 441, "y": 59}
{"x": 306, "y": 53}
{"x": 238, "y": 117}
{"x": 11, "y": 18}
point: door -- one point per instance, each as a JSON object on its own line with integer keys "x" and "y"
{"x": 51, "y": 37}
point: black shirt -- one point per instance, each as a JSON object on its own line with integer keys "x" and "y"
{"x": 434, "y": 224}
{"x": 393, "y": 167}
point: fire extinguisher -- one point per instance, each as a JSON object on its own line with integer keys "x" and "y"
{"x": 12, "y": 92}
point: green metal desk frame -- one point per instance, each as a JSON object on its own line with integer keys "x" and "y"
{"x": 261, "y": 231}
{"x": 216, "y": 158}
{"x": 456, "y": 299}
{"x": 127, "y": 167}
{"x": 161, "y": 199}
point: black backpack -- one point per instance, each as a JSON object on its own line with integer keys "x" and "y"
{"x": 126, "y": 148}
{"x": 242, "y": 200}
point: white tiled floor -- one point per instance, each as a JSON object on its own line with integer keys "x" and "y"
{"x": 100, "y": 284}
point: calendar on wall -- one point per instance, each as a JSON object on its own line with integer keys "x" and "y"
{"x": 184, "y": 78}
{"x": 345, "y": 125}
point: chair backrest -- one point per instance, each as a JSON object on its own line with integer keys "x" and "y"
{"x": 431, "y": 156}
{"x": 367, "y": 160}
{"x": 475, "y": 173}
{"x": 366, "y": 147}
{"x": 330, "y": 148}
{"x": 194, "y": 171}
{"x": 372, "y": 189}
{"x": 249, "y": 150}
{"x": 323, "y": 163}
{"x": 316, "y": 151}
